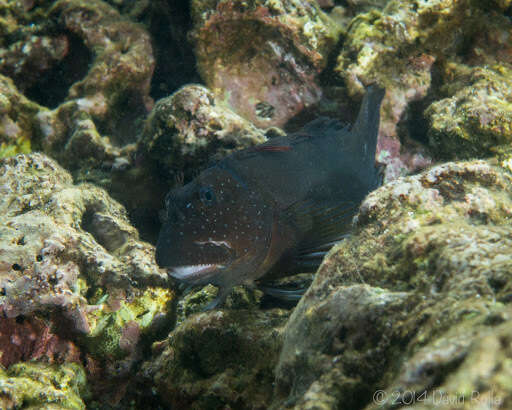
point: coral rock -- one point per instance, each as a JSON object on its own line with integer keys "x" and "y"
{"x": 433, "y": 252}
{"x": 399, "y": 47}
{"x": 115, "y": 90}
{"x": 219, "y": 359}
{"x": 59, "y": 240}
{"x": 31, "y": 338}
{"x": 17, "y": 119}
{"x": 263, "y": 57}
{"x": 192, "y": 127}
{"x": 477, "y": 117}
{"x": 39, "y": 385}
{"x": 87, "y": 63}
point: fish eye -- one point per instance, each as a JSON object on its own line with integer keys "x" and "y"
{"x": 206, "y": 195}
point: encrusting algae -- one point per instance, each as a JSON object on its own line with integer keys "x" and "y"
{"x": 414, "y": 304}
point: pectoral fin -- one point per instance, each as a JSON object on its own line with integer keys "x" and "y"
{"x": 320, "y": 227}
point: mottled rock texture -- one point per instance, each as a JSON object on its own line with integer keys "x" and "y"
{"x": 263, "y": 58}
{"x": 75, "y": 279}
{"x": 59, "y": 239}
{"x": 17, "y": 119}
{"x": 83, "y": 52}
{"x": 476, "y": 117}
{"x": 405, "y": 47}
{"x": 89, "y": 71}
{"x": 415, "y": 303}
{"x": 24, "y": 339}
{"x": 39, "y": 385}
{"x": 190, "y": 129}
{"x": 219, "y": 359}
{"x": 409, "y": 301}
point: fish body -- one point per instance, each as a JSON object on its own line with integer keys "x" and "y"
{"x": 259, "y": 206}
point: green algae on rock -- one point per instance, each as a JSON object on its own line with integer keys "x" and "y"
{"x": 219, "y": 359}
{"x": 476, "y": 118}
{"x": 433, "y": 252}
{"x": 61, "y": 244}
{"x": 401, "y": 47}
{"x": 190, "y": 128}
{"x": 69, "y": 254}
{"x": 17, "y": 120}
{"x": 465, "y": 367}
{"x": 385, "y": 44}
{"x": 240, "y": 297}
{"x": 120, "y": 321}
{"x": 40, "y": 385}
{"x": 263, "y": 57}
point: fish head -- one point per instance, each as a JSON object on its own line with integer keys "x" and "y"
{"x": 215, "y": 227}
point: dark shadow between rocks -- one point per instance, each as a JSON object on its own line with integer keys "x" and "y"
{"x": 147, "y": 222}
{"x": 416, "y": 123}
{"x": 170, "y": 22}
{"x": 53, "y": 85}
{"x": 126, "y": 125}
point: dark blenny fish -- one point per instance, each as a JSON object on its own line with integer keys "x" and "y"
{"x": 282, "y": 200}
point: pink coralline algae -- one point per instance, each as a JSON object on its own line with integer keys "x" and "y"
{"x": 129, "y": 337}
{"x": 263, "y": 59}
{"x": 30, "y": 339}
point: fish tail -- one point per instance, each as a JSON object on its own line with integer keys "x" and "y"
{"x": 366, "y": 128}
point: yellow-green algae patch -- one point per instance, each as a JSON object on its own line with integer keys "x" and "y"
{"x": 109, "y": 326}
{"x": 21, "y": 146}
{"x": 17, "y": 120}
{"x": 41, "y": 385}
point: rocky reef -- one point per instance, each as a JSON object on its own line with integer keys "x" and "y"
{"x": 34, "y": 385}
{"x": 75, "y": 280}
{"x": 219, "y": 359}
{"x": 263, "y": 58}
{"x": 86, "y": 72}
{"x": 17, "y": 119}
{"x": 411, "y": 48}
{"x": 406, "y": 305}
{"x": 191, "y": 128}
{"x": 476, "y": 118}
{"x": 106, "y": 105}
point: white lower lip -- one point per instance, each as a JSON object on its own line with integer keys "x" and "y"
{"x": 188, "y": 271}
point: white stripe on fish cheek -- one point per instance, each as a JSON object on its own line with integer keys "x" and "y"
{"x": 216, "y": 243}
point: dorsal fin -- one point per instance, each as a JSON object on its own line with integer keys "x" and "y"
{"x": 323, "y": 126}
{"x": 363, "y": 135}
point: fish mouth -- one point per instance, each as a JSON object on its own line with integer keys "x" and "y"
{"x": 211, "y": 257}
{"x": 194, "y": 272}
